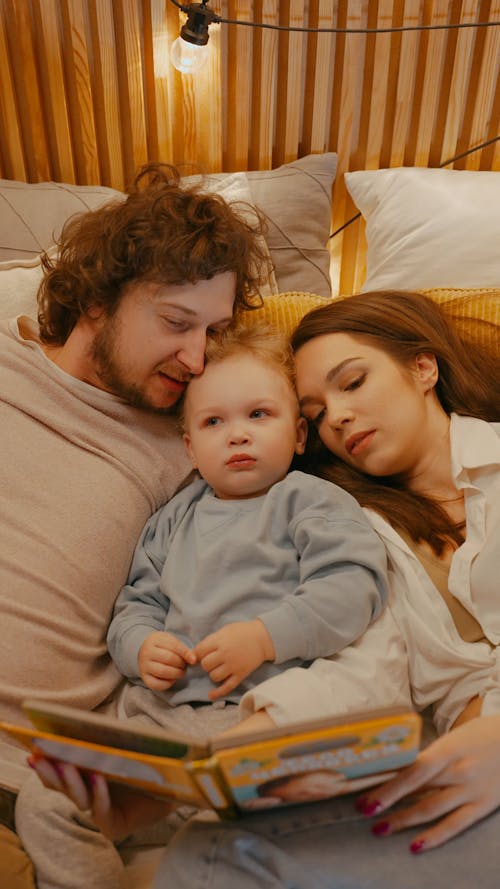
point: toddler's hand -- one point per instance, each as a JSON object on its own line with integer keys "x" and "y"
{"x": 233, "y": 652}
{"x": 163, "y": 659}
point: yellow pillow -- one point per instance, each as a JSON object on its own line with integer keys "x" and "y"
{"x": 283, "y": 311}
{"x": 475, "y": 313}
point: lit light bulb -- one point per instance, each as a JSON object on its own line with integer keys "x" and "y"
{"x": 188, "y": 57}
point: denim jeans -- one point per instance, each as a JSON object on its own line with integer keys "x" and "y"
{"x": 323, "y": 845}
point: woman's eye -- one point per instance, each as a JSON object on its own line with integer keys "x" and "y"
{"x": 318, "y": 418}
{"x": 355, "y": 384}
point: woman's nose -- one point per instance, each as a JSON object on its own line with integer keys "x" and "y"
{"x": 338, "y": 415}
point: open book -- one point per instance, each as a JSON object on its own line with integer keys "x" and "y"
{"x": 280, "y": 766}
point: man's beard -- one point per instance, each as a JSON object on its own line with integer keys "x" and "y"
{"x": 110, "y": 371}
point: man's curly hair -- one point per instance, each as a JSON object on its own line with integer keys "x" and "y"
{"x": 165, "y": 232}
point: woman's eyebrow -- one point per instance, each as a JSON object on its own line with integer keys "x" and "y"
{"x": 330, "y": 376}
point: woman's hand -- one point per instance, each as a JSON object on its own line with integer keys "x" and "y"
{"x": 459, "y": 775}
{"x": 116, "y": 810}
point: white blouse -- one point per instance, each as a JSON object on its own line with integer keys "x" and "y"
{"x": 413, "y": 653}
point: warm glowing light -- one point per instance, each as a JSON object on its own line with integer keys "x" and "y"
{"x": 188, "y": 57}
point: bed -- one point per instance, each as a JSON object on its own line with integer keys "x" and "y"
{"x": 317, "y": 131}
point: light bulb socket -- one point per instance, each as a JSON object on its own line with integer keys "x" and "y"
{"x": 195, "y": 29}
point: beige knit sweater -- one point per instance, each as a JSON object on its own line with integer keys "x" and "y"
{"x": 80, "y": 473}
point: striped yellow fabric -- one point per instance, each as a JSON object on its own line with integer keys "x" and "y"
{"x": 476, "y": 314}
{"x": 283, "y": 311}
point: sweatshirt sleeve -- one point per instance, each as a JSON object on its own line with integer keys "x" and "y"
{"x": 371, "y": 674}
{"x": 142, "y": 606}
{"x": 342, "y": 584}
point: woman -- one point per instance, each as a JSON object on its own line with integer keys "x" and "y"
{"x": 401, "y": 414}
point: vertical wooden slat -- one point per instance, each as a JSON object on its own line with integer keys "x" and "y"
{"x": 87, "y": 92}
{"x": 162, "y": 37}
{"x": 318, "y": 79}
{"x": 403, "y": 70}
{"x": 78, "y": 79}
{"x": 289, "y": 93}
{"x": 263, "y": 87}
{"x": 47, "y": 28}
{"x": 108, "y": 118}
{"x": 239, "y": 47}
{"x": 11, "y": 139}
{"x": 459, "y": 82}
{"x": 19, "y": 27}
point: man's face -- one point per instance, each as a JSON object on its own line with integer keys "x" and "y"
{"x": 155, "y": 342}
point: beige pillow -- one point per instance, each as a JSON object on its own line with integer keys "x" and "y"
{"x": 296, "y": 199}
{"x": 19, "y": 282}
{"x": 428, "y": 228}
{"x": 32, "y": 214}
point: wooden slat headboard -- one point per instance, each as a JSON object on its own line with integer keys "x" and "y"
{"x": 87, "y": 92}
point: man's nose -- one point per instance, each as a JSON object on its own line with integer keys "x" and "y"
{"x": 192, "y": 353}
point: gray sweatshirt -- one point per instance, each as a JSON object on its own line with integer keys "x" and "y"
{"x": 302, "y": 558}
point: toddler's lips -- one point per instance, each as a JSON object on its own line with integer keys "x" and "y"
{"x": 240, "y": 461}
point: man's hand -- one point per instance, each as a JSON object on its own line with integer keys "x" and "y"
{"x": 163, "y": 660}
{"x": 233, "y": 652}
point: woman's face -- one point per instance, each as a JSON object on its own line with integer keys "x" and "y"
{"x": 369, "y": 411}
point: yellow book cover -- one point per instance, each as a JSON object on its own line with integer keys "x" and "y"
{"x": 265, "y": 769}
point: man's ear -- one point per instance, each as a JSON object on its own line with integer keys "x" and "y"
{"x": 95, "y": 311}
{"x": 426, "y": 370}
{"x": 187, "y": 444}
{"x": 301, "y": 435}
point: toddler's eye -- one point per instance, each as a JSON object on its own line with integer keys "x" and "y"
{"x": 212, "y": 421}
{"x": 258, "y": 413}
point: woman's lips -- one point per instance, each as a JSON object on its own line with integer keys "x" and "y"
{"x": 356, "y": 444}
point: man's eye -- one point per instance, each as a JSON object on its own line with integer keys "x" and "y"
{"x": 174, "y": 323}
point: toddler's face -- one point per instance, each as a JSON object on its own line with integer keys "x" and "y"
{"x": 242, "y": 426}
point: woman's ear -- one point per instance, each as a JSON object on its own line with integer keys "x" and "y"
{"x": 301, "y": 435}
{"x": 187, "y": 444}
{"x": 426, "y": 370}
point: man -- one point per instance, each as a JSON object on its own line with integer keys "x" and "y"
{"x": 91, "y": 446}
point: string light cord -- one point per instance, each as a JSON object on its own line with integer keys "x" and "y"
{"x": 216, "y": 19}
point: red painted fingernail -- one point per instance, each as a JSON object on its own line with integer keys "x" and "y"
{"x": 59, "y": 769}
{"x": 31, "y": 762}
{"x": 369, "y": 807}
{"x": 92, "y": 779}
{"x": 417, "y": 846}
{"x": 381, "y": 829}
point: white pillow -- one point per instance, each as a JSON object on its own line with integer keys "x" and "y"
{"x": 428, "y": 228}
{"x": 19, "y": 282}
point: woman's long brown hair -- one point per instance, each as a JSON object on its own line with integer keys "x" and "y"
{"x": 404, "y": 325}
